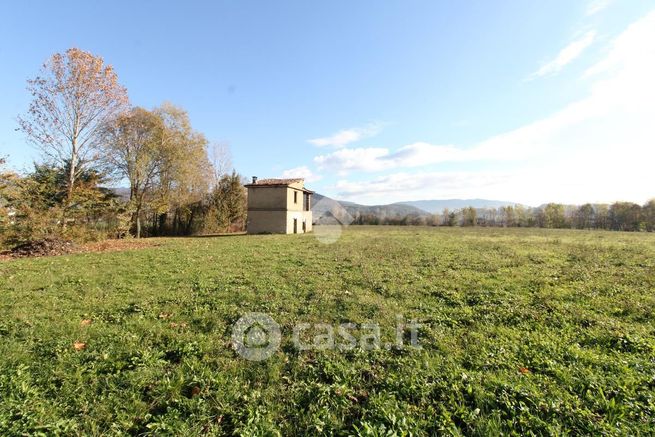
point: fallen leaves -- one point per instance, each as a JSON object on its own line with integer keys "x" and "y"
{"x": 94, "y": 247}
{"x": 178, "y": 325}
{"x": 79, "y": 346}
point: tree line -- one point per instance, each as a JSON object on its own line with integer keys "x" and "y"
{"x": 618, "y": 216}
{"x": 90, "y": 137}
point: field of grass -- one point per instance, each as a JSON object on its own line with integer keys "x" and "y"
{"x": 524, "y": 331}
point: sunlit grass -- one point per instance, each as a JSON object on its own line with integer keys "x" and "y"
{"x": 522, "y": 329}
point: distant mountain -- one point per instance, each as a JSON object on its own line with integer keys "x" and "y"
{"x": 398, "y": 210}
{"x": 122, "y": 192}
{"x": 437, "y": 206}
{"x": 321, "y": 204}
{"x": 414, "y": 208}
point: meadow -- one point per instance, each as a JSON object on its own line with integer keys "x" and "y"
{"x": 523, "y": 331}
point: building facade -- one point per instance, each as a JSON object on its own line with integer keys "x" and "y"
{"x": 279, "y": 206}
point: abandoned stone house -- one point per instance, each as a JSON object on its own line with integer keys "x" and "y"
{"x": 279, "y": 206}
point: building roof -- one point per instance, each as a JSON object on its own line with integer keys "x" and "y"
{"x": 278, "y": 183}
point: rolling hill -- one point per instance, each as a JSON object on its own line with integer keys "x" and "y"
{"x": 416, "y": 208}
{"x": 438, "y": 205}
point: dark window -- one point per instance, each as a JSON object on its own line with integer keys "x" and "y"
{"x": 295, "y": 197}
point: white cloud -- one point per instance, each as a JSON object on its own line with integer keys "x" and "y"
{"x": 567, "y": 55}
{"x": 507, "y": 147}
{"x": 301, "y": 172}
{"x": 347, "y": 136}
{"x": 599, "y": 148}
{"x": 372, "y": 159}
{"x": 595, "y": 6}
{"x": 421, "y": 185}
{"x": 344, "y": 160}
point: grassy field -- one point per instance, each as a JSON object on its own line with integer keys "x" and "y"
{"x": 523, "y": 331}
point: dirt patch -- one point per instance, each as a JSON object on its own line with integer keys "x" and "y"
{"x": 53, "y": 247}
{"x": 118, "y": 245}
{"x": 44, "y": 247}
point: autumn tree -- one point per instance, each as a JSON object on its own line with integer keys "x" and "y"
{"x": 73, "y": 98}
{"x": 601, "y": 214}
{"x": 165, "y": 162}
{"x": 227, "y": 205}
{"x": 469, "y": 216}
{"x": 649, "y": 215}
{"x": 584, "y": 216}
{"x": 553, "y": 216}
{"x": 136, "y": 151}
{"x": 449, "y": 218}
{"x": 625, "y": 216}
{"x": 508, "y": 215}
{"x": 524, "y": 217}
{"x": 185, "y": 174}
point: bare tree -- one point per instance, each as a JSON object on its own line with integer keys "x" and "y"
{"x": 220, "y": 158}
{"x": 73, "y": 98}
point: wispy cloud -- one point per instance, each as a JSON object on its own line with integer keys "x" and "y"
{"x": 567, "y": 55}
{"x": 511, "y": 146}
{"x": 348, "y": 136}
{"x": 301, "y": 172}
{"x": 595, "y": 6}
{"x": 448, "y": 184}
{"x": 371, "y": 159}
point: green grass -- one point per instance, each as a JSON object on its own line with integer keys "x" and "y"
{"x": 524, "y": 331}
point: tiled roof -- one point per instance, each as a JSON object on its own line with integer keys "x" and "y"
{"x": 277, "y": 181}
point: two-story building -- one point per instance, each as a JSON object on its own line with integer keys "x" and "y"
{"x": 279, "y": 206}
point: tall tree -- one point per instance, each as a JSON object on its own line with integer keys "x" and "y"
{"x": 228, "y": 203}
{"x": 508, "y": 215}
{"x": 166, "y": 163}
{"x": 186, "y": 172}
{"x": 469, "y": 216}
{"x": 601, "y": 214}
{"x": 649, "y": 215}
{"x": 553, "y": 216}
{"x": 73, "y": 98}
{"x": 137, "y": 152}
{"x": 625, "y": 216}
{"x": 220, "y": 159}
{"x": 584, "y": 216}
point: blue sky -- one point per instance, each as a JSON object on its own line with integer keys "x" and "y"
{"x": 375, "y": 102}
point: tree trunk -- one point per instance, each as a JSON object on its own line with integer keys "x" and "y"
{"x": 71, "y": 180}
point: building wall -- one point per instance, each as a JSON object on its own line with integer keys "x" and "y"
{"x": 264, "y": 222}
{"x": 295, "y": 206}
{"x": 273, "y": 210}
{"x": 301, "y": 216}
{"x": 267, "y": 198}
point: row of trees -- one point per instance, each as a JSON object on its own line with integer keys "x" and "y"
{"x": 619, "y": 216}
{"x": 90, "y": 137}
